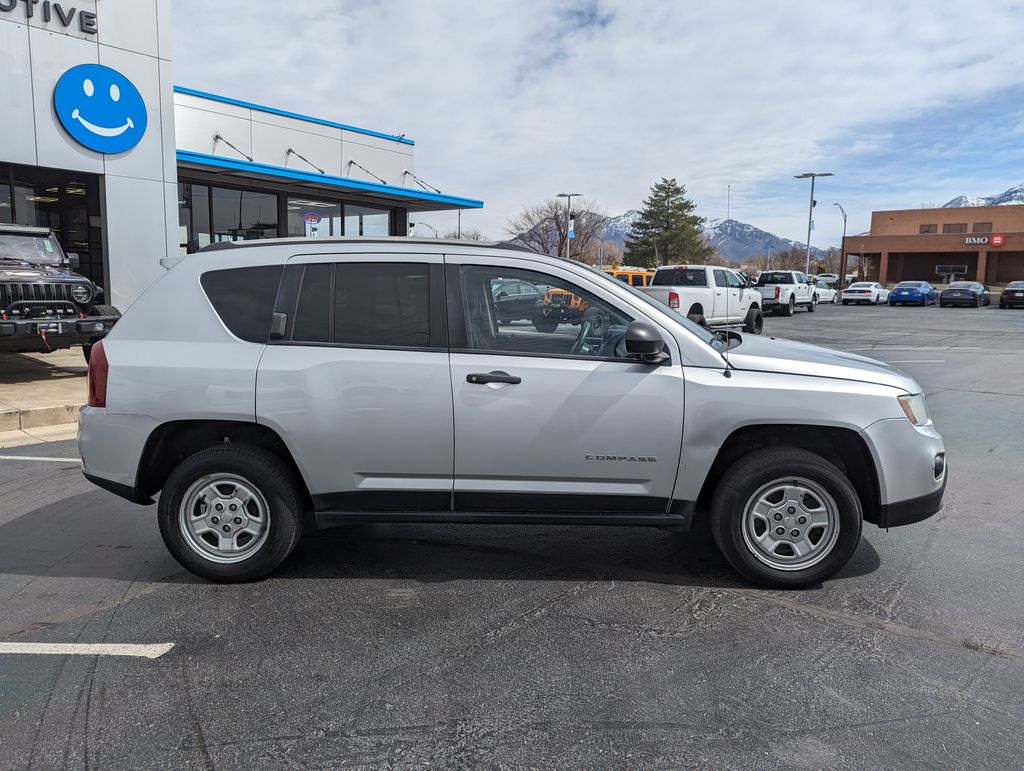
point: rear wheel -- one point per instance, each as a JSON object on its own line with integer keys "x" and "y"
{"x": 786, "y": 518}
{"x": 846, "y": 302}
{"x": 754, "y": 323}
{"x": 231, "y": 513}
{"x": 790, "y": 307}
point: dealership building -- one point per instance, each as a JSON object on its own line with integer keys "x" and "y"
{"x": 981, "y": 243}
{"x": 129, "y": 170}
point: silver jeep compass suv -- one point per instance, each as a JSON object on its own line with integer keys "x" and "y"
{"x": 316, "y": 382}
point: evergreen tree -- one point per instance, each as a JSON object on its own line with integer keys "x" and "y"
{"x": 667, "y": 230}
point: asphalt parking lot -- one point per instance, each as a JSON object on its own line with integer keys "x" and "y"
{"x": 548, "y": 647}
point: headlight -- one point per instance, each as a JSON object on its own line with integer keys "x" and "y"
{"x": 81, "y": 293}
{"x": 914, "y": 408}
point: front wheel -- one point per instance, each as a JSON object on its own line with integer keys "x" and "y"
{"x": 835, "y": 298}
{"x": 544, "y": 323}
{"x": 230, "y": 513}
{"x": 786, "y": 518}
{"x": 754, "y": 323}
{"x": 814, "y": 304}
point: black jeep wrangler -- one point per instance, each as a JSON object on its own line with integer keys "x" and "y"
{"x": 44, "y": 304}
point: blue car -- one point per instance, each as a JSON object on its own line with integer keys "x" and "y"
{"x": 914, "y": 293}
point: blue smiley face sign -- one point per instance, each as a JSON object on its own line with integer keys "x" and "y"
{"x": 100, "y": 108}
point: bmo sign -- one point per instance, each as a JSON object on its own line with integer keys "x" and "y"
{"x": 996, "y": 240}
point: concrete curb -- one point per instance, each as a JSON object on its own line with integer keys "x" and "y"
{"x": 38, "y": 417}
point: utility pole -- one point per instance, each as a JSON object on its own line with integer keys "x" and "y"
{"x": 568, "y": 216}
{"x": 842, "y": 250}
{"x": 812, "y": 175}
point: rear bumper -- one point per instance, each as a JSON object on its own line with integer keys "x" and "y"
{"x": 969, "y": 301}
{"x": 46, "y": 334}
{"x": 111, "y": 447}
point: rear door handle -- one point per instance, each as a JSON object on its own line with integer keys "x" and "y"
{"x": 481, "y": 378}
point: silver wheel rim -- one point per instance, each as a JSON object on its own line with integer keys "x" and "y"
{"x": 224, "y": 518}
{"x": 790, "y": 524}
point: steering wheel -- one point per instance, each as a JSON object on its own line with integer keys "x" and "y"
{"x": 581, "y": 339}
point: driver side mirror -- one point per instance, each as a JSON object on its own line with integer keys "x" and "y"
{"x": 502, "y": 294}
{"x": 645, "y": 340}
{"x": 74, "y": 261}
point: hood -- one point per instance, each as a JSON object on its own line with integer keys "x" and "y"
{"x": 30, "y": 272}
{"x": 770, "y": 354}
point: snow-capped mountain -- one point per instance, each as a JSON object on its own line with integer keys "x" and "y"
{"x": 1015, "y": 195}
{"x": 734, "y": 240}
{"x": 616, "y": 229}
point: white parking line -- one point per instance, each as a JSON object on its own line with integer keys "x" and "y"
{"x": 86, "y": 649}
{"x": 917, "y": 361}
{"x": 45, "y": 460}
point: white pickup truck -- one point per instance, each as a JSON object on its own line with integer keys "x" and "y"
{"x": 782, "y": 291}
{"x": 710, "y": 295}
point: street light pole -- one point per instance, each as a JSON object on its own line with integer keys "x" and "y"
{"x": 426, "y": 225}
{"x": 568, "y": 216}
{"x": 842, "y": 249}
{"x": 812, "y": 175}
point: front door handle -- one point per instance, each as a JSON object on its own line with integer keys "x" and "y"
{"x": 480, "y": 378}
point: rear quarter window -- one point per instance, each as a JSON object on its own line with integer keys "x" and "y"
{"x": 244, "y": 299}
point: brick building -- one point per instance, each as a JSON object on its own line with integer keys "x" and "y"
{"x": 983, "y": 243}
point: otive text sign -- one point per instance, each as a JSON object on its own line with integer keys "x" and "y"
{"x": 61, "y": 14}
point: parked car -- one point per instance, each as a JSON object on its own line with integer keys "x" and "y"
{"x": 631, "y": 276}
{"x": 712, "y": 295}
{"x": 311, "y": 383}
{"x": 515, "y": 300}
{"x": 1013, "y": 295}
{"x": 968, "y": 293}
{"x": 869, "y": 292}
{"x": 824, "y": 292}
{"x": 783, "y": 291}
{"x": 827, "y": 278}
{"x": 914, "y": 293}
{"x": 45, "y": 304}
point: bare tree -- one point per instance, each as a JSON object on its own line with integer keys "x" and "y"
{"x": 543, "y": 229}
{"x": 471, "y": 234}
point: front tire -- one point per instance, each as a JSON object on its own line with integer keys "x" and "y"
{"x": 231, "y": 513}
{"x": 814, "y": 304}
{"x": 754, "y": 323}
{"x": 786, "y": 518}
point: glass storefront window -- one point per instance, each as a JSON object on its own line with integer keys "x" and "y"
{"x": 67, "y": 202}
{"x": 313, "y": 218}
{"x": 366, "y": 221}
{"x": 243, "y": 215}
{"x": 6, "y": 208}
{"x": 193, "y": 217}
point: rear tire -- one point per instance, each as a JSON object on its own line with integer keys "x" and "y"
{"x": 698, "y": 319}
{"x": 754, "y": 323}
{"x": 744, "y": 501}
{"x": 263, "y": 530}
{"x": 790, "y": 307}
{"x": 846, "y": 302}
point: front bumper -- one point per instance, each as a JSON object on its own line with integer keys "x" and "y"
{"x": 49, "y": 333}
{"x": 906, "y": 460}
{"x": 914, "y": 510}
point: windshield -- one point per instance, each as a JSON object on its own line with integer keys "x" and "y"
{"x": 775, "y": 277}
{"x": 680, "y": 277}
{"x": 29, "y": 247}
{"x": 711, "y": 339}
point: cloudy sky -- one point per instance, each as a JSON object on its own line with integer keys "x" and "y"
{"x": 512, "y": 101}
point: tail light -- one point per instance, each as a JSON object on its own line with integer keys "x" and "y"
{"x": 778, "y": 292}
{"x": 98, "y": 369}
{"x": 673, "y": 300}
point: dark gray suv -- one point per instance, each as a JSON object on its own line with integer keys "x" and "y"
{"x": 44, "y": 304}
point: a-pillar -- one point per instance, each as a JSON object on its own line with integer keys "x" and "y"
{"x": 982, "y": 265}
{"x": 883, "y": 268}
